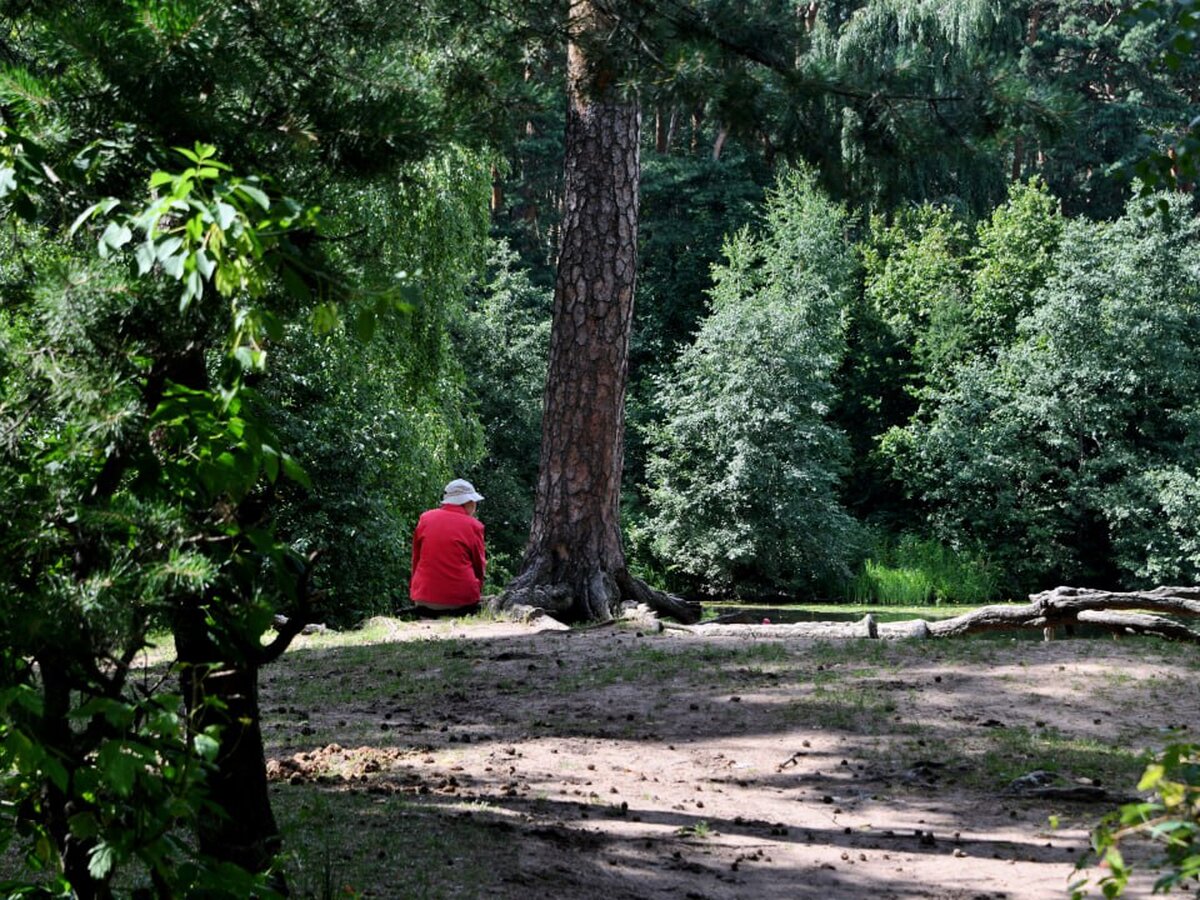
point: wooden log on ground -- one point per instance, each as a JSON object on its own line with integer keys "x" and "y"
{"x": 1062, "y": 607}
{"x": 1067, "y": 606}
{"x": 1135, "y": 623}
{"x": 865, "y": 627}
{"x": 1177, "y": 601}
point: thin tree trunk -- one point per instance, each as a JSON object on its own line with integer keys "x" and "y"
{"x": 497, "y": 201}
{"x": 74, "y": 851}
{"x": 660, "y": 130}
{"x": 719, "y": 143}
{"x": 574, "y": 565}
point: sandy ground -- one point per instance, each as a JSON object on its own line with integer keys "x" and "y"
{"x": 601, "y": 764}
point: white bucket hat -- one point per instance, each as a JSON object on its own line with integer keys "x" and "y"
{"x": 459, "y": 492}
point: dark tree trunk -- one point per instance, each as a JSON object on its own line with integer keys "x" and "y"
{"x": 219, "y": 693}
{"x": 219, "y": 683}
{"x": 574, "y": 564}
{"x": 60, "y": 806}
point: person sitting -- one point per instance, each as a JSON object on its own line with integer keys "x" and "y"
{"x": 448, "y": 559}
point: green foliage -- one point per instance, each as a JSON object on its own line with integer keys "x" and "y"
{"x": 147, "y": 450}
{"x": 687, "y": 206}
{"x": 1087, "y": 159}
{"x": 745, "y": 465}
{"x": 1171, "y": 820}
{"x": 1014, "y": 256}
{"x": 122, "y": 469}
{"x": 936, "y": 292}
{"x": 913, "y": 572}
{"x": 1171, "y": 30}
{"x": 378, "y": 406}
{"x": 504, "y": 342}
{"x": 917, "y": 281}
{"x": 1071, "y": 454}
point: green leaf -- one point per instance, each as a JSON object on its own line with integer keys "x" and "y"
{"x": 204, "y": 264}
{"x": 100, "y": 864}
{"x": 226, "y": 215}
{"x": 55, "y": 771}
{"x": 173, "y": 265}
{"x": 102, "y": 208}
{"x": 206, "y": 746}
{"x": 271, "y": 462}
{"x": 293, "y": 470}
{"x": 145, "y": 255}
{"x": 84, "y": 825}
{"x": 160, "y": 178}
{"x": 115, "y": 236}
{"x": 272, "y": 326}
{"x": 324, "y": 318}
{"x": 294, "y": 284}
{"x": 168, "y": 247}
{"x": 254, "y": 194}
{"x": 188, "y": 154}
{"x": 193, "y": 288}
{"x": 118, "y": 768}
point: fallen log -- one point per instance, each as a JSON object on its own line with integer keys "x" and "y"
{"x": 1062, "y": 607}
{"x": 1065, "y": 607}
{"x": 866, "y": 627}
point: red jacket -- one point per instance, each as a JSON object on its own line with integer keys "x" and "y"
{"x": 448, "y": 558}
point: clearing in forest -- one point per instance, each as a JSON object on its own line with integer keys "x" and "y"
{"x": 484, "y": 759}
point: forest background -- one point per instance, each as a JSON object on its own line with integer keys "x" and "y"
{"x": 906, "y": 325}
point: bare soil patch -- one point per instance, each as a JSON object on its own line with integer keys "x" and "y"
{"x": 482, "y": 759}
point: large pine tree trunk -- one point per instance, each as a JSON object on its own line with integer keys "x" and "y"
{"x": 574, "y": 565}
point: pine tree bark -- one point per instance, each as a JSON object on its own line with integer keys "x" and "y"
{"x": 574, "y": 564}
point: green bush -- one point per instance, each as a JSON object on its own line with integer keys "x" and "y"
{"x": 503, "y": 340}
{"x": 745, "y": 467}
{"x": 1171, "y": 821}
{"x": 1072, "y": 453}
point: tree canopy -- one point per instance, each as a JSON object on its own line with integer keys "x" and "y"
{"x": 271, "y": 273}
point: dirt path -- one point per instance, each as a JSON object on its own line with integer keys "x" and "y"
{"x": 485, "y": 759}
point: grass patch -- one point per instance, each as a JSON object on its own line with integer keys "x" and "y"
{"x": 345, "y": 843}
{"x": 1013, "y": 752}
{"x": 912, "y": 571}
{"x": 655, "y": 664}
{"x": 849, "y": 707}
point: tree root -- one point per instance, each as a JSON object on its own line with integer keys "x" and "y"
{"x": 592, "y": 596}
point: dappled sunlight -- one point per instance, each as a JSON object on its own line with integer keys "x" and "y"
{"x": 643, "y": 762}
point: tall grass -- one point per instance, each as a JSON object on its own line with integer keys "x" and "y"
{"x": 917, "y": 572}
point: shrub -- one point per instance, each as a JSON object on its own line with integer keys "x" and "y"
{"x": 1171, "y": 820}
{"x": 745, "y": 467}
